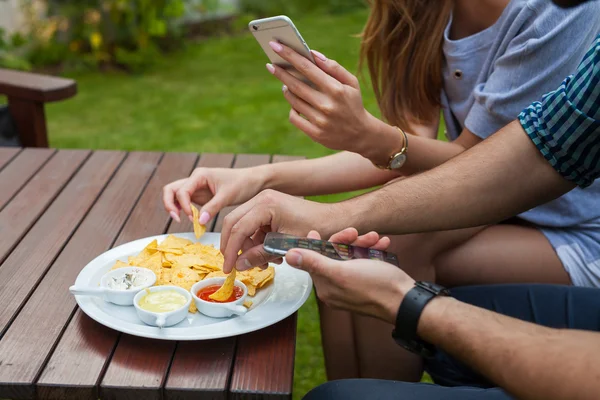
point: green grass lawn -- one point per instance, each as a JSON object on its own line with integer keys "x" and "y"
{"x": 213, "y": 96}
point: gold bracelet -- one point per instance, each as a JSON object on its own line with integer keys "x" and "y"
{"x": 402, "y": 151}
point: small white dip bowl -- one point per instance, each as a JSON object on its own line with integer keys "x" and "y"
{"x": 219, "y": 310}
{"x": 166, "y": 318}
{"x": 121, "y": 297}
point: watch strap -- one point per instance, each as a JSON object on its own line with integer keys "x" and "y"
{"x": 409, "y": 313}
{"x": 393, "y": 156}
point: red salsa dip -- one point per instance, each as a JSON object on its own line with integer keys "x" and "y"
{"x": 203, "y": 293}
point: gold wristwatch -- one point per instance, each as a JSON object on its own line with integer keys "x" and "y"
{"x": 398, "y": 159}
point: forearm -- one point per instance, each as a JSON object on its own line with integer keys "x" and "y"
{"x": 529, "y": 361}
{"x": 340, "y": 172}
{"x": 496, "y": 179}
{"x": 424, "y": 151}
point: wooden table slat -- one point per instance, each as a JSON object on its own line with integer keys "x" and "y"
{"x": 65, "y": 213}
{"x": 20, "y": 170}
{"x": 264, "y": 362}
{"x": 200, "y": 370}
{"x": 30, "y": 203}
{"x": 27, "y": 264}
{"x": 73, "y": 371}
{"x": 7, "y": 154}
{"x": 271, "y": 349}
{"x": 138, "y": 366}
{"x": 36, "y": 329}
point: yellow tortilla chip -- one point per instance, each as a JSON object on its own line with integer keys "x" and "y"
{"x": 184, "y": 278}
{"x": 153, "y": 263}
{"x": 148, "y": 252}
{"x": 216, "y": 274}
{"x": 193, "y": 307}
{"x": 199, "y": 230}
{"x": 265, "y": 282}
{"x": 120, "y": 264}
{"x": 165, "y": 277}
{"x": 175, "y": 242}
{"x": 226, "y": 290}
{"x": 186, "y": 261}
{"x": 251, "y": 289}
{"x": 170, "y": 250}
{"x": 247, "y": 304}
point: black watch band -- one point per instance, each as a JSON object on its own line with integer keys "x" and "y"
{"x": 409, "y": 313}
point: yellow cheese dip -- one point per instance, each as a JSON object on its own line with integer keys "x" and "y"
{"x": 162, "y": 301}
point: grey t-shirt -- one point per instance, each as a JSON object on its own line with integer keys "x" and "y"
{"x": 491, "y": 76}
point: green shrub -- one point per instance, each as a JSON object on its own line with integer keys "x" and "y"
{"x": 11, "y": 51}
{"x": 268, "y": 8}
{"x": 125, "y": 33}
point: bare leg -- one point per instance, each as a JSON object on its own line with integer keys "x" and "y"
{"x": 483, "y": 255}
{"x": 356, "y": 346}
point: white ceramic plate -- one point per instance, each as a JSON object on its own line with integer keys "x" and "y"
{"x": 290, "y": 289}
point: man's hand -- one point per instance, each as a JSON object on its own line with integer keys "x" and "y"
{"x": 368, "y": 287}
{"x": 246, "y": 226}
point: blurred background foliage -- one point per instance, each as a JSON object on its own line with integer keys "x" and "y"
{"x": 132, "y": 34}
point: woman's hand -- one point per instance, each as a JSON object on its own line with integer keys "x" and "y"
{"x": 368, "y": 287}
{"x": 332, "y": 114}
{"x": 213, "y": 189}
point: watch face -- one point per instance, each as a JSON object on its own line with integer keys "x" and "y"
{"x": 398, "y": 161}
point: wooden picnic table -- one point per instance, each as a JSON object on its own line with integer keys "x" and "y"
{"x": 59, "y": 209}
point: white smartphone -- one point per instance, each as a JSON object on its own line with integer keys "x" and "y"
{"x": 280, "y": 29}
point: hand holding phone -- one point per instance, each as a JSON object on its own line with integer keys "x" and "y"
{"x": 279, "y": 244}
{"x": 280, "y": 29}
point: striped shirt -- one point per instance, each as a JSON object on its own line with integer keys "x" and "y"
{"x": 565, "y": 124}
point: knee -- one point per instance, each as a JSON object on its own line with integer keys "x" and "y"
{"x": 415, "y": 254}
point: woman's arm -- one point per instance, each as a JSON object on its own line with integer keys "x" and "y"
{"x": 341, "y": 172}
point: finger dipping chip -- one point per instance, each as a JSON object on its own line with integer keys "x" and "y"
{"x": 226, "y": 290}
{"x": 199, "y": 230}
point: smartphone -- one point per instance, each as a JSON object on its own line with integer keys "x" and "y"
{"x": 280, "y": 29}
{"x": 279, "y": 244}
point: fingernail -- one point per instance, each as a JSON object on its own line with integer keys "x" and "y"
{"x": 320, "y": 56}
{"x": 284, "y": 88}
{"x": 204, "y": 218}
{"x": 276, "y": 46}
{"x": 190, "y": 218}
{"x": 174, "y": 215}
{"x": 244, "y": 264}
{"x": 271, "y": 68}
{"x": 293, "y": 258}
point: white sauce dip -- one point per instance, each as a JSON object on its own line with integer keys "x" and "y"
{"x": 128, "y": 281}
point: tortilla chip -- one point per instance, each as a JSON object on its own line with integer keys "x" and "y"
{"x": 186, "y": 261}
{"x": 251, "y": 289}
{"x": 199, "y": 230}
{"x": 193, "y": 309}
{"x": 247, "y": 304}
{"x": 165, "y": 277}
{"x": 120, "y": 264}
{"x": 216, "y": 274}
{"x": 153, "y": 263}
{"x": 184, "y": 277}
{"x": 148, "y": 252}
{"x": 170, "y": 250}
{"x": 226, "y": 290}
{"x": 175, "y": 242}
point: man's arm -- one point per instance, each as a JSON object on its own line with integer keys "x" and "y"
{"x": 496, "y": 179}
{"x": 527, "y": 360}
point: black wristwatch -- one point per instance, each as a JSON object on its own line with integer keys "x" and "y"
{"x": 407, "y": 319}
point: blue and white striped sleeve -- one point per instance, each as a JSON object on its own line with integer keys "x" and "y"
{"x": 565, "y": 124}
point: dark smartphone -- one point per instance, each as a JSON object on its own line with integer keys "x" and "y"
{"x": 279, "y": 244}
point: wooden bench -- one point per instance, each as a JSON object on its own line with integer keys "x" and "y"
{"x": 27, "y": 94}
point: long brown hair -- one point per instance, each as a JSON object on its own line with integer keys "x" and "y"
{"x": 402, "y": 46}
